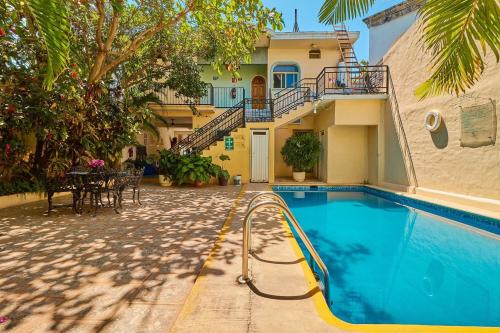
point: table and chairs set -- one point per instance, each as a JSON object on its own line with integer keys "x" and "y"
{"x": 84, "y": 182}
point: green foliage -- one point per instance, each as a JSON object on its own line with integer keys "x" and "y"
{"x": 52, "y": 18}
{"x": 301, "y": 151}
{"x": 192, "y": 168}
{"x": 120, "y": 54}
{"x": 457, "y": 33}
{"x": 337, "y": 11}
{"x": 168, "y": 162}
{"x": 21, "y": 186}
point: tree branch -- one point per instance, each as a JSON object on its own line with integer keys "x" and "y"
{"x": 139, "y": 40}
{"x": 100, "y": 24}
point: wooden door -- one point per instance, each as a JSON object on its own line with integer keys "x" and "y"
{"x": 258, "y": 93}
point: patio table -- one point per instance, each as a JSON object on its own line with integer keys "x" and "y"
{"x": 93, "y": 182}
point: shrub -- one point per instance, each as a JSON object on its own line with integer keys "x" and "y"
{"x": 301, "y": 151}
{"x": 192, "y": 168}
{"x": 167, "y": 164}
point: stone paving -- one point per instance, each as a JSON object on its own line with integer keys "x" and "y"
{"x": 113, "y": 273}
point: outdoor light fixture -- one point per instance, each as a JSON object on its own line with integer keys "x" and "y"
{"x": 315, "y": 106}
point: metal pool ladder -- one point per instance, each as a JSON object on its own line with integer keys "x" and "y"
{"x": 277, "y": 202}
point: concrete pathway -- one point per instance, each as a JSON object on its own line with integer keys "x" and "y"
{"x": 113, "y": 273}
{"x": 279, "y": 299}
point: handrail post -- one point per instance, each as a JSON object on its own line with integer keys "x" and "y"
{"x": 245, "y": 275}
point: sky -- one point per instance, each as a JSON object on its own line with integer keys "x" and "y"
{"x": 308, "y": 19}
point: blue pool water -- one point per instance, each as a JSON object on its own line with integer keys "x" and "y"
{"x": 396, "y": 265}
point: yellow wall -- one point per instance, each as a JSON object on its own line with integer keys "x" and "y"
{"x": 309, "y": 68}
{"x": 358, "y": 112}
{"x": 239, "y": 163}
{"x": 282, "y": 134}
{"x": 348, "y": 154}
{"x": 373, "y": 155}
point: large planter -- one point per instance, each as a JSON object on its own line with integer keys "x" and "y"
{"x": 198, "y": 183}
{"x": 164, "y": 181}
{"x": 299, "y": 176}
{"x": 223, "y": 181}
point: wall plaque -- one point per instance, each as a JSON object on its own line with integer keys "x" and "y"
{"x": 228, "y": 143}
{"x": 478, "y": 125}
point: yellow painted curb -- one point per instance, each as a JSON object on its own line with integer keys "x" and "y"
{"x": 190, "y": 303}
{"x": 325, "y": 313}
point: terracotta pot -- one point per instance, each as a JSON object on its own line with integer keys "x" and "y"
{"x": 198, "y": 183}
{"x": 299, "y": 176}
{"x": 223, "y": 181}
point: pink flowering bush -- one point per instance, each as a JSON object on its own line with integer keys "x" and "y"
{"x": 96, "y": 164}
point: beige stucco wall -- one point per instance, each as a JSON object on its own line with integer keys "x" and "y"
{"x": 440, "y": 162}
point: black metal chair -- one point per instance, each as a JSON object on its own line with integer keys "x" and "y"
{"x": 134, "y": 181}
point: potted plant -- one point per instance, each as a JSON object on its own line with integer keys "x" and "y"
{"x": 222, "y": 173}
{"x": 194, "y": 169}
{"x": 301, "y": 153}
{"x": 167, "y": 163}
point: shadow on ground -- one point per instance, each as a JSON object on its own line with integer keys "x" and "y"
{"x": 128, "y": 272}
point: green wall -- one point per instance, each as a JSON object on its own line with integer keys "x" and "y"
{"x": 247, "y": 73}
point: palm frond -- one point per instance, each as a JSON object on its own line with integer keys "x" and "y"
{"x": 160, "y": 119}
{"x": 51, "y": 17}
{"x": 337, "y": 11}
{"x": 151, "y": 128}
{"x": 458, "y": 33}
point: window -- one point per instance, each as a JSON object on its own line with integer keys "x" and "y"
{"x": 315, "y": 54}
{"x": 285, "y": 76}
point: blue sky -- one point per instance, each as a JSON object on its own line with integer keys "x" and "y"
{"x": 308, "y": 18}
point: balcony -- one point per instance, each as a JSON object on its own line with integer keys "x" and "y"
{"x": 219, "y": 97}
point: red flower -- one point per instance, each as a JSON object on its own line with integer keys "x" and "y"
{"x": 49, "y": 136}
{"x": 11, "y": 108}
{"x": 74, "y": 65}
{"x": 74, "y": 75}
{"x": 7, "y": 149}
{"x": 2, "y": 32}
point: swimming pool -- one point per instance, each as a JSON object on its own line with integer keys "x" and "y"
{"x": 393, "y": 264}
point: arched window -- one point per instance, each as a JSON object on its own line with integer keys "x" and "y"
{"x": 285, "y": 76}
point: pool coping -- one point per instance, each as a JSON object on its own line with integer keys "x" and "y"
{"x": 321, "y": 304}
{"x": 474, "y": 219}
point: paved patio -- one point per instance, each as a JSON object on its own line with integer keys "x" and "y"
{"x": 113, "y": 273}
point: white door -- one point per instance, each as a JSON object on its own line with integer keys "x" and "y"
{"x": 260, "y": 156}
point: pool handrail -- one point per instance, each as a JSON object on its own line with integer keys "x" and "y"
{"x": 247, "y": 234}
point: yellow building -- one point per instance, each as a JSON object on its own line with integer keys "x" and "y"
{"x": 296, "y": 82}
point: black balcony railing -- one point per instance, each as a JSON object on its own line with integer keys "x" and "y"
{"x": 227, "y": 97}
{"x": 169, "y": 96}
{"x": 331, "y": 81}
{"x": 258, "y": 110}
{"x": 220, "y": 97}
{"x": 352, "y": 80}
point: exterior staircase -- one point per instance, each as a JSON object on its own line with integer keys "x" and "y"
{"x": 292, "y": 103}
{"x": 287, "y": 105}
{"x": 345, "y": 45}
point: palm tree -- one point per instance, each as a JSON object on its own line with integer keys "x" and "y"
{"x": 457, "y": 33}
{"x": 51, "y": 18}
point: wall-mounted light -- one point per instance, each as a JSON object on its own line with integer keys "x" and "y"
{"x": 315, "y": 107}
